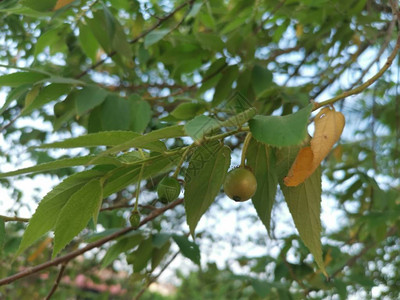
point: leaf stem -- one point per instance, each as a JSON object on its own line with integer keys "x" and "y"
{"x": 138, "y": 188}
{"x": 245, "y": 146}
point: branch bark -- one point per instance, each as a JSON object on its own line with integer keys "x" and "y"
{"x": 73, "y": 254}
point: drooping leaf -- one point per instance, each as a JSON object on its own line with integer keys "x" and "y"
{"x": 204, "y": 177}
{"x": 261, "y": 159}
{"x": 281, "y": 131}
{"x": 329, "y": 125}
{"x": 188, "y": 248}
{"x": 76, "y": 213}
{"x": 304, "y": 202}
{"x": 46, "y": 214}
{"x": 328, "y": 128}
{"x": 302, "y": 167}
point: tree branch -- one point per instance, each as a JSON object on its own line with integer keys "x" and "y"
{"x": 366, "y": 84}
{"x": 57, "y": 282}
{"x": 352, "y": 260}
{"x": 155, "y": 213}
{"x": 143, "y": 34}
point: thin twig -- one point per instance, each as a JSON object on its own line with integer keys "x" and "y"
{"x": 29, "y": 271}
{"x": 57, "y": 282}
{"x": 352, "y": 260}
{"x": 17, "y": 219}
{"x": 154, "y": 278}
{"x": 366, "y": 84}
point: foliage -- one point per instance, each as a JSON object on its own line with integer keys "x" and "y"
{"x": 110, "y": 97}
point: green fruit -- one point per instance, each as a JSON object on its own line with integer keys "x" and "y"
{"x": 134, "y": 219}
{"x": 240, "y": 184}
{"x": 168, "y": 189}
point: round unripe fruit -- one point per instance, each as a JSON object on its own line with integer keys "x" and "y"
{"x": 134, "y": 218}
{"x": 168, "y": 189}
{"x": 240, "y": 184}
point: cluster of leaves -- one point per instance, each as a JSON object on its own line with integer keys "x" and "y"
{"x": 169, "y": 86}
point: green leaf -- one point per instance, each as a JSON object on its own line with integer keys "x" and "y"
{"x": 116, "y": 113}
{"x": 88, "y": 42}
{"x": 200, "y": 126}
{"x": 224, "y": 86}
{"x": 158, "y": 254}
{"x": 20, "y": 78}
{"x": 46, "y": 214}
{"x": 261, "y": 287}
{"x": 154, "y": 36}
{"x": 281, "y": 130}
{"x": 188, "y": 110}
{"x": 141, "y": 256}
{"x": 2, "y": 233}
{"x": 123, "y": 245}
{"x": 160, "y": 239}
{"x": 103, "y": 138}
{"x": 99, "y": 29}
{"x": 147, "y": 140}
{"x": 204, "y": 177}
{"x": 210, "y": 41}
{"x": 304, "y": 203}
{"x": 64, "y": 163}
{"x": 88, "y": 98}
{"x": 15, "y": 94}
{"x": 42, "y": 5}
{"x": 125, "y": 176}
{"x": 261, "y": 159}
{"x": 47, "y": 94}
{"x": 188, "y": 248}
{"x": 76, "y": 213}
{"x": 261, "y": 79}
{"x": 239, "y": 119}
{"x": 140, "y": 113}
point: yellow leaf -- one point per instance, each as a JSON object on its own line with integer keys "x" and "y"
{"x": 329, "y": 125}
{"x": 299, "y": 30}
{"x": 62, "y": 3}
{"x": 301, "y": 168}
{"x": 40, "y": 249}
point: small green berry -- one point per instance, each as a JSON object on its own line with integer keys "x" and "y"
{"x": 168, "y": 189}
{"x": 134, "y": 219}
{"x": 240, "y": 184}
